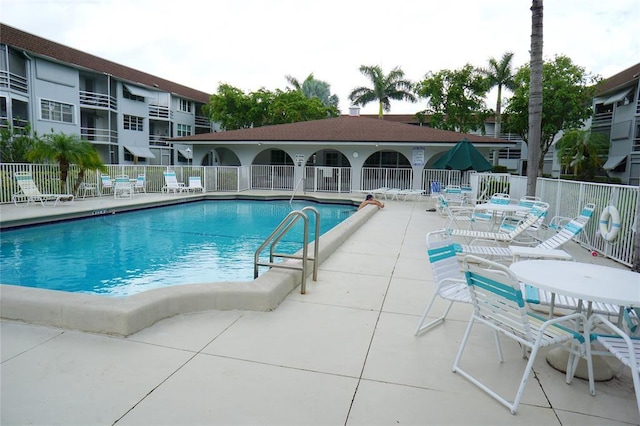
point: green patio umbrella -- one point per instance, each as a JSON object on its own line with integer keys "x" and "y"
{"x": 463, "y": 156}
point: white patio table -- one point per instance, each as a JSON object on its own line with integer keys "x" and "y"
{"x": 585, "y": 281}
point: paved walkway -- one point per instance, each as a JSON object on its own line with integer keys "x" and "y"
{"x": 343, "y": 354}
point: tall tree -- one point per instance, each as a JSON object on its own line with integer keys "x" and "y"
{"x": 582, "y": 151}
{"x": 499, "y": 74}
{"x": 234, "y": 109}
{"x": 392, "y": 86}
{"x": 455, "y": 99}
{"x": 535, "y": 99}
{"x": 88, "y": 160}
{"x": 313, "y": 88}
{"x": 567, "y": 93}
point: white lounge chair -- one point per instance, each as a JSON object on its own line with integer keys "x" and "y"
{"x": 498, "y": 303}
{"x": 171, "y": 183}
{"x": 29, "y": 192}
{"x": 195, "y": 184}
{"x": 505, "y": 237}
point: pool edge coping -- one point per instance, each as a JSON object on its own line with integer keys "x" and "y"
{"x": 128, "y": 314}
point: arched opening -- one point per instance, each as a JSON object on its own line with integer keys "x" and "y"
{"x": 387, "y": 169}
{"x": 327, "y": 170}
{"x": 272, "y": 169}
{"x": 220, "y": 157}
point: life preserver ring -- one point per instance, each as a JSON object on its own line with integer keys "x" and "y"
{"x": 609, "y": 223}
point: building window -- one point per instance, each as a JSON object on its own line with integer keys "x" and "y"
{"x": 131, "y": 122}
{"x": 183, "y": 130}
{"x": 56, "y": 111}
{"x": 185, "y": 105}
{"x": 128, "y": 95}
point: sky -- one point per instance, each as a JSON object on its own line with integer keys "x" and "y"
{"x": 252, "y": 44}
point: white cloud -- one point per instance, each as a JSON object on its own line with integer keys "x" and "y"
{"x": 255, "y": 43}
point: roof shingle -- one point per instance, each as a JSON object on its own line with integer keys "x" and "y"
{"x": 344, "y": 129}
{"x": 47, "y": 48}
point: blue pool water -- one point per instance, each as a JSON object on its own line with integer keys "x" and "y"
{"x": 127, "y": 253}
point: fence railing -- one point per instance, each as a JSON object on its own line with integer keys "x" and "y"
{"x": 566, "y": 198}
{"x": 372, "y": 178}
{"x": 327, "y": 179}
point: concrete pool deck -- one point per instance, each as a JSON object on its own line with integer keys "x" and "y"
{"x": 342, "y": 354}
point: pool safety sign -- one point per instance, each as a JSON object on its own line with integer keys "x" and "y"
{"x": 299, "y": 160}
{"x": 418, "y": 156}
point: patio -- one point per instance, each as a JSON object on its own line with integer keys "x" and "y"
{"x": 344, "y": 353}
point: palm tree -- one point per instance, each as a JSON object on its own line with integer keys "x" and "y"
{"x": 312, "y": 88}
{"x": 500, "y": 75}
{"x": 535, "y": 97}
{"x": 64, "y": 149}
{"x": 582, "y": 150}
{"x": 90, "y": 160}
{"x": 388, "y": 87}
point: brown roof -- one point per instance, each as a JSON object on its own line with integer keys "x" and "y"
{"x": 618, "y": 80}
{"x": 344, "y": 129}
{"x": 42, "y": 47}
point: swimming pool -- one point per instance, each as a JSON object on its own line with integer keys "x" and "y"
{"x": 128, "y": 253}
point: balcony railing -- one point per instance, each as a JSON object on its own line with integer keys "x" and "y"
{"x": 202, "y": 121}
{"x": 99, "y": 136}
{"x": 156, "y": 140}
{"x": 13, "y": 82}
{"x": 160, "y": 112}
{"x": 99, "y": 100}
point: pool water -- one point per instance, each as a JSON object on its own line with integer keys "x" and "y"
{"x": 127, "y": 253}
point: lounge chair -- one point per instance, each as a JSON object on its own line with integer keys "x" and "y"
{"x": 505, "y": 237}
{"x": 499, "y": 304}
{"x": 171, "y": 183}
{"x": 450, "y": 283}
{"x": 29, "y": 192}
{"x": 195, "y": 184}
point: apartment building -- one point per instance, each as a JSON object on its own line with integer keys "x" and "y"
{"x": 129, "y": 116}
{"x": 616, "y": 109}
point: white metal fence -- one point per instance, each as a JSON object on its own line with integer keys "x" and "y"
{"x": 372, "y": 178}
{"x": 566, "y": 198}
{"x": 327, "y": 179}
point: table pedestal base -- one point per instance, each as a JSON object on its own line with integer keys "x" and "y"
{"x": 558, "y": 358}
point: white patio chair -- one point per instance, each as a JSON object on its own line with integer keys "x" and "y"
{"x": 195, "y": 184}
{"x": 123, "y": 187}
{"x": 457, "y": 216}
{"x": 88, "y": 188}
{"x": 453, "y": 194}
{"x": 450, "y": 283}
{"x": 172, "y": 184}
{"x": 498, "y": 303}
{"x": 616, "y": 343}
{"x": 107, "y": 184}
{"x": 139, "y": 185}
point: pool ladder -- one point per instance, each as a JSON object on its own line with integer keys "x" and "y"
{"x": 275, "y": 237}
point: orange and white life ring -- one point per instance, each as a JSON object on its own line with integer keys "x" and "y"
{"x": 609, "y": 223}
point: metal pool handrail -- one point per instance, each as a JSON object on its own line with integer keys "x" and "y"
{"x": 278, "y": 233}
